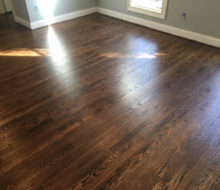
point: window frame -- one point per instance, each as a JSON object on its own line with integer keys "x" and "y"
{"x": 149, "y": 12}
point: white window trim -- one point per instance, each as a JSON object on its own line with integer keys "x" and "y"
{"x": 149, "y": 12}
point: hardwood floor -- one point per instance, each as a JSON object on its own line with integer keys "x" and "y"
{"x": 98, "y": 103}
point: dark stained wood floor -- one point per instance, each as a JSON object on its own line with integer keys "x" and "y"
{"x": 98, "y": 103}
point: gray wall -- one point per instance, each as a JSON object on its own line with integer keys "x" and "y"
{"x": 61, "y": 7}
{"x": 203, "y": 16}
{"x": 1, "y": 8}
{"x": 20, "y": 9}
{"x": 9, "y": 5}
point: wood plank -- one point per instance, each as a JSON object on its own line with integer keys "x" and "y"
{"x": 98, "y": 103}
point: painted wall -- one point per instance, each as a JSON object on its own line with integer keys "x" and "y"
{"x": 61, "y": 7}
{"x": 1, "y": 8}
{"x": 20, "y": 9}
{"x": 203, "y": 16}
{"x": 9, "y": 6}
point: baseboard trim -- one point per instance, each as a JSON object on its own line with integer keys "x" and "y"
{"x": 209, "y": 40}
{"x": 162, "y": 27}
{"x": 64, "y": 17}
{"x": 21, "y": 21}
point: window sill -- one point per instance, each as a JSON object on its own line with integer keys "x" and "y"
{"x": 149, "y": 12}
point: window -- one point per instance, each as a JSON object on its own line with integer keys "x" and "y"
{"x": 156, "y": 8}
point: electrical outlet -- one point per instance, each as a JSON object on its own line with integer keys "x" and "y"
{"x": 184, "y": 16}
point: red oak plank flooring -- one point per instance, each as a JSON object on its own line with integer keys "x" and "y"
{"x": 99, "y": 103}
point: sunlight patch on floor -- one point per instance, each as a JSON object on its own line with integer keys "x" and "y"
{"x": 25, "y": 52}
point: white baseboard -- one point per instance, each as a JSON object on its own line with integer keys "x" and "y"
{"x": 162, "y": 27}
{"x": 21, "y": 21}
{"x": 140, "y": 21}
{"x": 64, "y": 17}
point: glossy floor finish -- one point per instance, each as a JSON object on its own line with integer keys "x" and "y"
{"x": 98, "y": 103}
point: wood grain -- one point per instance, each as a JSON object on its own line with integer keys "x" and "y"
{"x": 98, "y": 103}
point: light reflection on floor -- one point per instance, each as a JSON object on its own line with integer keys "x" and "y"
{"x": 61, "y": 63}
{"x": 142, "y": 62}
